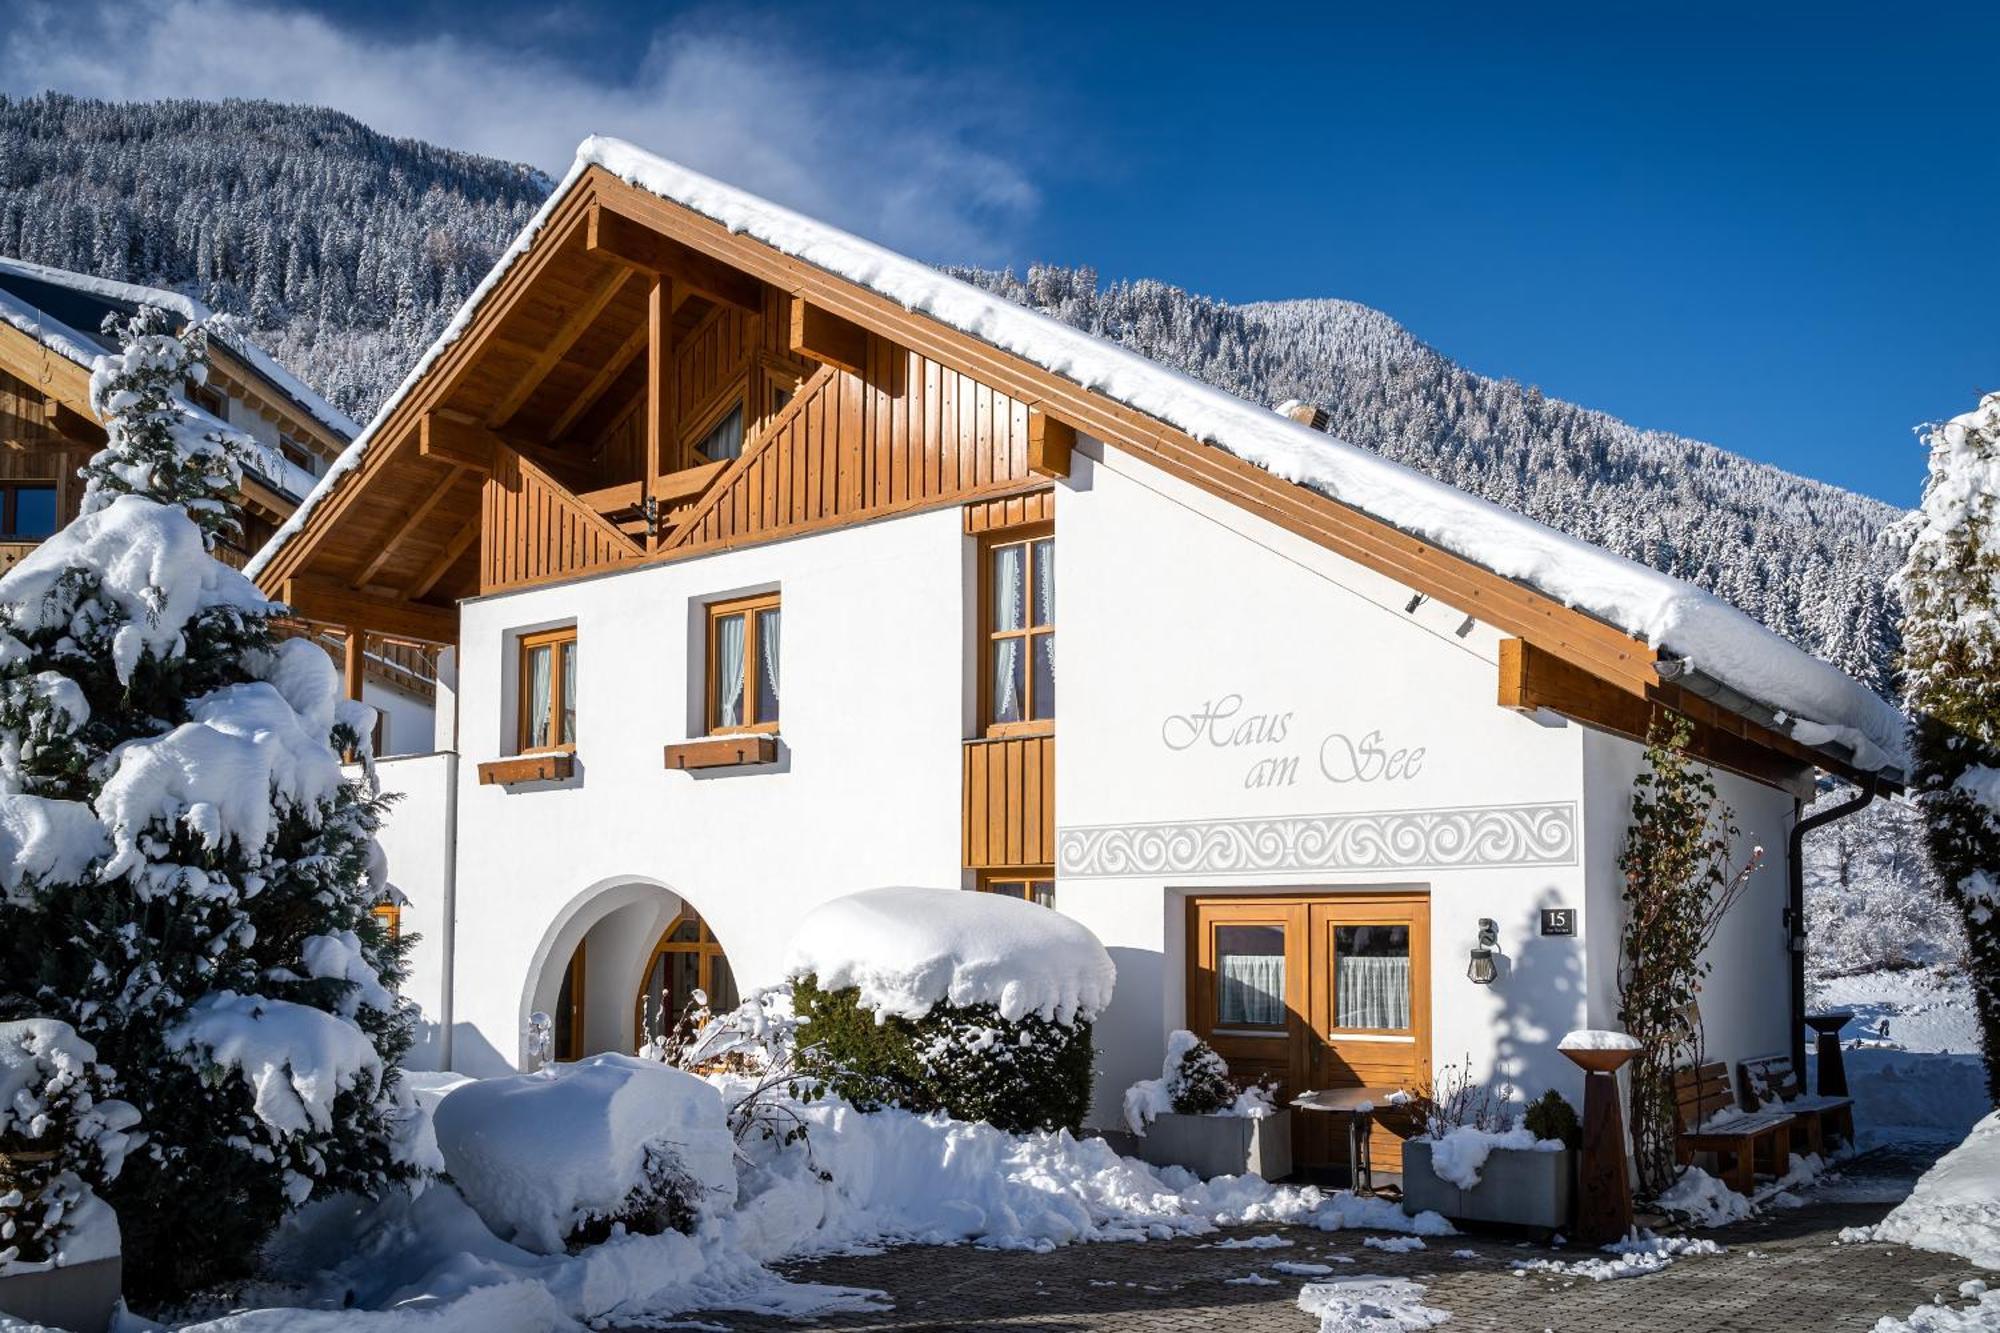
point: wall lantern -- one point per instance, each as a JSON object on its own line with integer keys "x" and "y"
{"x": 1480, "y": 971}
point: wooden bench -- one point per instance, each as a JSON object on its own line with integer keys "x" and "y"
{"x": 1710, "y": 1121}
{"x": 1772, "y": 1083}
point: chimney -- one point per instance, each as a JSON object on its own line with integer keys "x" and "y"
{"x": 1303, "y": 413}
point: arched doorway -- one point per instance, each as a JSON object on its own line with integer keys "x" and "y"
{"x": 686, "y": 958}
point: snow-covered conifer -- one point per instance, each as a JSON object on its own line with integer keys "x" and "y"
{"x": 185, "y": 872}
{"x": 1950, "y": 588}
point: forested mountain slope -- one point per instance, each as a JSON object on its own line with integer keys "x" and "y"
{"x": 346, "y": 251}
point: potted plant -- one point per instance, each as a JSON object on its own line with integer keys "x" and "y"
{"x": 1194, "y": 1116}
{"x": 1470, "y": 1167}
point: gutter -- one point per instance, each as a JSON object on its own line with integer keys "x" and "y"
{"x": 1795, "y": 910}
{"x": 1679, "y": 672}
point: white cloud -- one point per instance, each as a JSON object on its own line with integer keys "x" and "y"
{"x": 891, "y": 153}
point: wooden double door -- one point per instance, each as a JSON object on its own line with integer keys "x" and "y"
{"x": 1317, "y": 990}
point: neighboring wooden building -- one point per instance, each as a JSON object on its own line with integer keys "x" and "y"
{"x": 51, "y": 325}
{"x": 687, "y": 459}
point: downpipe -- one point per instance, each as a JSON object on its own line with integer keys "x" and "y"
{"x": 1795, "y": 910}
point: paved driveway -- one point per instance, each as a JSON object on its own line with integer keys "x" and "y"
{"x": 1786, "y": 1271}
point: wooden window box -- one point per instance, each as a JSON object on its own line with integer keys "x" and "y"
{"x": 724, "y": 751}
{"x": 526, "y": 768}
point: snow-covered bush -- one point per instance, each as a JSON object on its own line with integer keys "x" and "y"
{"x": 1873, "y": 903}
{"x": 1950, "y": 590}
{"x": 185, "y": 872}
{"x": 1194, "y": 1080}
{"x": 1550, "y": 1116}
{"x": 975, "y": 1004}
{"x": 555, "y": 1159}
{"x": 60, "y": 1136}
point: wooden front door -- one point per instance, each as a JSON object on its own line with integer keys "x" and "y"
{"x": 1316, "y": 991}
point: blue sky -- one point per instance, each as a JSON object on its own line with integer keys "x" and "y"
{"x": 1766, "y": 226}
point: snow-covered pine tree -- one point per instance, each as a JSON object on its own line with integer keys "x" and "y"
{"x": 1950, "y": 588}
{"x": 187, "y": 874}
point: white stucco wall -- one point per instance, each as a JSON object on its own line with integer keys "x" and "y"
{"x": 866, "y": 791}
{"x": 413, "y": 838}
{"x": 1170, "y": 600}
{"x": 408, "y": 723}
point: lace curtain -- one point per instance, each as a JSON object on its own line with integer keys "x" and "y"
{"x": 767, "y": 649}
{"x": 1007, "y": 580}
{"x": 729, "y": 671}
{"x": 1253, "y": 990}
{"x": 1372, "y": 993}
{"x": 539, "y": 662}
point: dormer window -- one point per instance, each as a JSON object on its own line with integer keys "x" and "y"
{"x": 296, "y": 454}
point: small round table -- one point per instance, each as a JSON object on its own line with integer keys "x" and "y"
{"x": 1357, "y": 1106}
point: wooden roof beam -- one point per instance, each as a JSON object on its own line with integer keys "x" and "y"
{"x": 410, "y": 525}
{"x": 457, "y": 440}
{"x": 446, "y": 558}
{"x": 624, "y": 238}
{"x": 325, "y": 601}
{"x": 559, "y": 345}
{"x": 821, "y": 335}
{"x": 607, "y": 375}
{"x": 1050, "y": 443}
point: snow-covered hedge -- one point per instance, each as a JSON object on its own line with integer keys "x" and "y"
{"x": 555, "y": 1159}
{"x": 975, "y": 1004}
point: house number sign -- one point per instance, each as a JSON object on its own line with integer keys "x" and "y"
{"x": 1340, "y": 757}
{"x": 1558, "y": 921}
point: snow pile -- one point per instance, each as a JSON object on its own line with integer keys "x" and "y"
{"x": 1369, "y": 1305}
{"x": 1955, "y": 1207}
{"x": 1901, "y": 1097}
{"x": 1597, "y": 1039}
{"x": 1937, "y": 1317}
{"x": 1631, "y": 1258}
{"x": 1458, "y": 1155}
{"x": 147, "y": 560}
{"x": 1269, "y": 1240}
{"x": 900, "y": 1177}
{"x": 295, "y": 1058}
{"x": 1193, "y": 1079}
{"x": 540, "y": 1155}
{"x": 908, "y": 949}
{"x": 1393, "y": 1244}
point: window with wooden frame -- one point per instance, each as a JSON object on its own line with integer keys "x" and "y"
{"x": 391, "y": 917}
{"x": 687, "y": 958}
{"x": 1018, "y": 615}
{"x": 722, "y": 437}
{"x": 743, "y": 658}
{"x": 209, "y": 399}
{"x": 298, "y": 455}
{"x": 1036, "y": 885}
{"x": 27, "y": 510}
{"x": 548, "y": 691}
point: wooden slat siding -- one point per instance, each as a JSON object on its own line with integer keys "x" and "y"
{"x": 1008, "y": 786}
{"x": 534, "y": 529}
{"x": 1011, "y": 511}
{"x": 712, "y": 355}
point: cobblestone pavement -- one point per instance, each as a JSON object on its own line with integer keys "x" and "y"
{"x": 1780, "y": 1273}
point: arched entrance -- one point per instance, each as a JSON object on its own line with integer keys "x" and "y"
{"x": 687, "y": 958}
{"x": 619, "y": 955}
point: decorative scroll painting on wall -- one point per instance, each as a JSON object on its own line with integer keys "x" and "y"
{"x": 1463, "y": 837}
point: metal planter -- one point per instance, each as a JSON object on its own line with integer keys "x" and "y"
{"x": 1517, "y": 1186}
{"x": 1221, "y": 1145}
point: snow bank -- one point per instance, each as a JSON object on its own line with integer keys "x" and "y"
{"x": 1820, "y": 701}
{"x": 152, "y": 566}
{"x": 1955, "y": 1208}
{"x": 538, "y": 1155}
{"x": 295, "y": 1058}
{"x": 1902, "y": 1096}
{"x": 907, "y": 949}
{"x": 1983, "y": 1317}
{"x": 1459, "y": 1155}
{"x": 900, "y": 1177}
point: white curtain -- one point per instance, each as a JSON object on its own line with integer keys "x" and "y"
{"x": 1253, "y": 989}
{"x": 1007, "y": 614}
{"x": 1372, "y": 993}
{"x": 568, "y": 736}
{"x": 539, "y": 661}
{"x": 767, "y": 644}
{"x": 729, "y": 671}
{"x": 1045, "y": 583}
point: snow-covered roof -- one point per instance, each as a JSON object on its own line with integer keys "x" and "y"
{"x": 1821, "y": 704}
{"x": 25, "y": 302}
